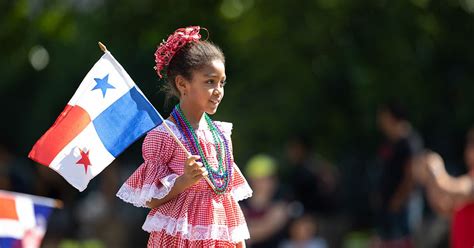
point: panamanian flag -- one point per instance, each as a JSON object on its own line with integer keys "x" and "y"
{"x": 23, "y": 219}
{"x": 106, "y": 114}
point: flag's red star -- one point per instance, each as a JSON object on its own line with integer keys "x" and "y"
{"x": 84, "y": 159}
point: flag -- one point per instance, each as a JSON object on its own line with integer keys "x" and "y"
{"x": 106, "y": 114}
{"x": 23, "y": 219}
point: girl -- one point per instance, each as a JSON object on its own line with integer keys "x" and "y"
{"x": 187, "y": 211}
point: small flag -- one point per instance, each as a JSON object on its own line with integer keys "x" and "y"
{"x": 23, "y": 219}
{"x": 106, "y": 114}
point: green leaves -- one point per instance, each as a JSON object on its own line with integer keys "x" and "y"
{"x": 321, "y": 66}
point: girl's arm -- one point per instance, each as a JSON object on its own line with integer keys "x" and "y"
{"x": 193, "y": 172}
{"x": 460, "y": 189}
{"x": 440, "y": 202}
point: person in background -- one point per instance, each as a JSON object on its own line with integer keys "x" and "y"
{"x": 304, "y": 234}
{"x": 266, "y": 211}
{"x": 396, "y": 185}
{"x": 311, "y": 180}
{"x": 453, "y": 196}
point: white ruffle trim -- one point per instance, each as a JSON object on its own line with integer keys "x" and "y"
{"x": 173, "y": 128}
{"x": 172, "y": 226}
{"x": 241, "y": 192}
{"x": 140, "y": 196}
{"x": 225, "y": 126}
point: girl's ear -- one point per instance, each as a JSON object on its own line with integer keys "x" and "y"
{"x": 181, "y": 84}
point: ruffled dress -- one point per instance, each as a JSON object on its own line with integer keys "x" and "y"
{"x": 198, "y": 217}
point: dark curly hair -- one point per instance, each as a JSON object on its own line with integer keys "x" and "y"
{"x": 193, "y": 56}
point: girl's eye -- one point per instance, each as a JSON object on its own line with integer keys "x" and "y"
{"x": 223, "y": 83}
{"x": 210, "y": 81}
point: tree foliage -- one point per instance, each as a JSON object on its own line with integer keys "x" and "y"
{"x": 320, "y": 67}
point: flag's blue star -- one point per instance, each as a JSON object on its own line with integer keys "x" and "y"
{"x": 102, "y": 84}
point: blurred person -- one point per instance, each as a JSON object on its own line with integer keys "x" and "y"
{"x": 266, "y": 212}
{"x": 16, "y": 174}
{"x": 453, "y": 197}
{"x": 5, "y": 181}
{"x": 99, "y": 212}
{"x": 185, "y": 210}
{"x": 313, "y": 187}
{"x": 5, "y": 171}
{"x": 303, "y": 234}
{"x": 62, "y": 224}
{"x": 311, "y": 180}
{"x": 396, "y": 186}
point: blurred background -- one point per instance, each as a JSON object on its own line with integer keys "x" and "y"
{"x": 305, "y": 79}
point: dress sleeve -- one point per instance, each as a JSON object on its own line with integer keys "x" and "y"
{"x": 240, "y": 188}
{"x": 153, "y": 179}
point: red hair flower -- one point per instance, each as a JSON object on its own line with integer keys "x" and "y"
{"x": 167, "y": 49}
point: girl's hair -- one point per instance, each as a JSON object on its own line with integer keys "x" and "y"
{"x": 182, "y": 53}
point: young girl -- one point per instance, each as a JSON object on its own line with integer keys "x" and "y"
{"x": 187, "y": 210}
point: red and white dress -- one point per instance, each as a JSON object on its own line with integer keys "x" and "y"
{"x": 198, "y": 217}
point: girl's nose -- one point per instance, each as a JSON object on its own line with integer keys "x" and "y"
{"x": 216, "y": 92}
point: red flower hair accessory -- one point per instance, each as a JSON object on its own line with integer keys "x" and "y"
{"x": 167, "y": 49}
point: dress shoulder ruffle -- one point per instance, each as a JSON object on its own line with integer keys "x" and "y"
{"x": 153, "y": 178}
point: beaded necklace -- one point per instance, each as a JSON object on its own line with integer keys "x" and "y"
{"x": 219, "y": 176}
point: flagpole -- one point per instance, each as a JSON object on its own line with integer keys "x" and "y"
{"x": 184, "y": 148}
{"x": 104, "y": 49}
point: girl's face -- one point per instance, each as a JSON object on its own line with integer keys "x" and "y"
{"x": 205, "y": 90}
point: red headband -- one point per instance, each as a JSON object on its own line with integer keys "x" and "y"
{"x": 167, "y": 49}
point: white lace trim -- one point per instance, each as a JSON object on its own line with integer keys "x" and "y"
{"x": 226, "y": 128}
{"x": 172, "y": 226}
{"x": 140, "y": 196}
{"x": 173, "y": 128}
{"x": 241, "y": 192}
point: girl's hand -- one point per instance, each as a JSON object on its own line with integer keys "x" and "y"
{"x": 193, "y": 171}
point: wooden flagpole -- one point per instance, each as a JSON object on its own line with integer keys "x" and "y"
{"x": 104, "y": 49}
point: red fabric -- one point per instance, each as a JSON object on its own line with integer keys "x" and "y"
{"x": 462, "y": 227}
{"x": 166, "y": 50}
{"x": 72, "y": 121}
{"x": 8, "y": 208}
{"x": 198, "y": 217}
